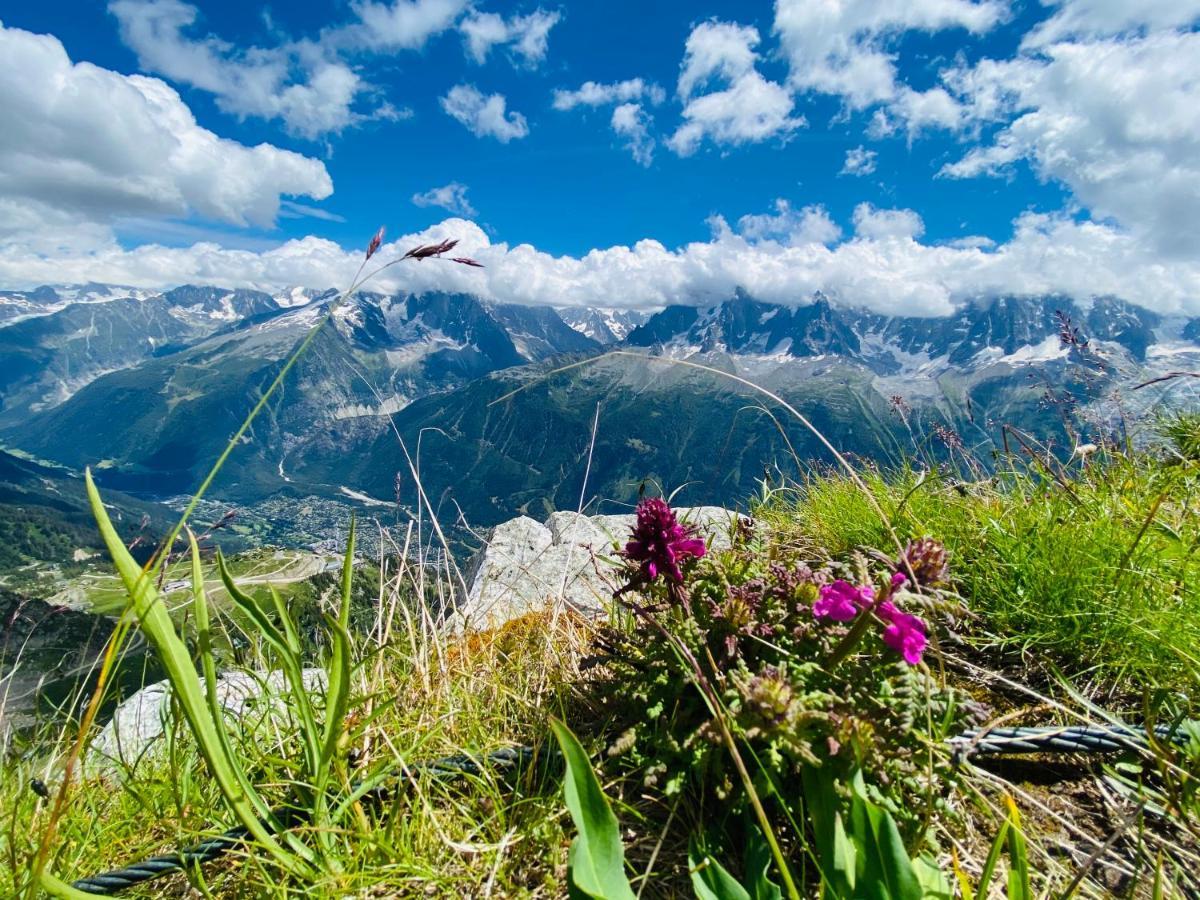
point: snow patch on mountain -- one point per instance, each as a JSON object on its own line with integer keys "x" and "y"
{"x": 389, "y": 406}
{"x": 361, "y": 497}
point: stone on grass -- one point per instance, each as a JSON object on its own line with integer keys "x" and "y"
{"x": 571, "y": 561}
{"x": 140, "y": 722}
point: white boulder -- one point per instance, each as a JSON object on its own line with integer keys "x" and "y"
{"x": 570, "y": 561}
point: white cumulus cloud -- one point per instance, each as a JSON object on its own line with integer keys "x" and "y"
{"x": 633, "y": 123}
{"x": 484, "y": 116}
{"x": 1107, "y": 18}
{"x": 882, "y": 224}
{"x": 859, "y": 161}
{"x": 451, "y": 197}
{"x": 740, "y": 106}
{"x": 528, "y": 36}
{"x": 592, "y": 93}
{"x": 1116, "y": 120}
{"x": 884, "y": 267}
{"x": 630, "y": 119}
{"x": 83, "y": 146}
{"x": 841, "y": 47}
{"x": 398, "y": 25}
{"x": 311, "y": 91}
{"x": 810, "y": 225}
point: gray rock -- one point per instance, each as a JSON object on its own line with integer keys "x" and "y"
{"x": 570, "y": 562}
{"x": 139, "y": 722}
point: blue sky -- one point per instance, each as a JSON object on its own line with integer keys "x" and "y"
{"x": 906, "y": 154}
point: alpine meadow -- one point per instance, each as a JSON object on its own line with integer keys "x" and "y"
{"x": 517, "y": 449}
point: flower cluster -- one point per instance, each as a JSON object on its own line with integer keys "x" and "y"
{"x": 842, "y": 601}
{"x": 659, "y": 542}
{"x": 903, "y": 632}
{"x": 924, "y": 560}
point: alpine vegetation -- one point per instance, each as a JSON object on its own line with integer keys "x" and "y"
{"x": 760, "y": 458}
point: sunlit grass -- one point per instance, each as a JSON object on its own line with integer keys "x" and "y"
{"x": 1096, "y": 568}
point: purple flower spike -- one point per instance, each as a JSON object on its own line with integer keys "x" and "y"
{"x": 841, "y": 601}
{"x": 905, "y": 633}
{"x": 659, "y": 542}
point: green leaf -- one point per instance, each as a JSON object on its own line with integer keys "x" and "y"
{"x": 204, "y": 631}
{"x": 596, "y": 864}
{"x": 934, "y": 883}
{"x": 1019, "y": 885}
{"x": 56, "y": 888}
{"x": 337, "y": 692}
{"x": 156, "y": 624}
{"x": 286, "y": 646}
{"x": 993, "y": 857}
{"x": 758, "y": 865}
{"x": 836, "y": 855}
{"x": 710, "y": 879}
{"x": 887, "y": 869}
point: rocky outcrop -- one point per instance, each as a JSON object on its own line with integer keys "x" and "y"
{"x": 138, "y": 723}
{"x": 570, "y": 560}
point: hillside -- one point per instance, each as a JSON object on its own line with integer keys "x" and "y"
{"x": 431, "y": 365}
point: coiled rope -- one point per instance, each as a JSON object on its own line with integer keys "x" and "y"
{"x": 974, "y": 743}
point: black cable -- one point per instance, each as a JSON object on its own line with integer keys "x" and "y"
{"x": 457, "y": 766}
{"x": 1063, "y": 739}
{"x": 978, "y": 742}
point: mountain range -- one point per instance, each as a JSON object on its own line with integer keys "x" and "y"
{"x": 147, "y": 388}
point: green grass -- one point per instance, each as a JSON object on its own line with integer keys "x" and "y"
{"x": 478, "y": 693}
{"x": 1096, "y": 567}
{"x": 1093, "y": 568}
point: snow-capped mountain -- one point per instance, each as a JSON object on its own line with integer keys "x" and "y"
{"x": 17, "y": 305}
{"x": 1006, "y": 330}
{"x": 154, "y": 386}
{"x": 212, "y": 353}
{"x": 604, "y": 325}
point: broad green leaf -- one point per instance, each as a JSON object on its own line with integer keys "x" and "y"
{"x": 710, "y": 879}
{"x": 208, "y": 664}
{"x": 289, "y": 659}
{"x": 156, "y": 624}
{"x": 758, "y": 867}
{"x": 934, "y": 883}
{"x": 887, "y": 872}
{"x": 337, "y": 691}
{"x": 250, "y": 608}
{"x": 596, "y": 864}
{"x": 836, "y": 856}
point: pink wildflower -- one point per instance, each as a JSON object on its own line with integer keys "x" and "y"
{"x": 659, "y": 542}
{"x": 905, "y": 633}
{"x": 841, "y": 601}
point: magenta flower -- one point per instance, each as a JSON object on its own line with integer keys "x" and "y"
{"x": 841, "y": 601}
{"x": 659, "y": 542}
{"x": 905, "y": 633}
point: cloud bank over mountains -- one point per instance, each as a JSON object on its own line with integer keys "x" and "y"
{"x": 882, "y": 267}
{"x": 1101, "y": 98}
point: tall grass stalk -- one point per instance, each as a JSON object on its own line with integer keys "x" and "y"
{"x": 143, "y": 598}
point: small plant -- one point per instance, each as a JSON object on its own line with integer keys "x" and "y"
{"x": 1181, "y": 429}
{"x": 813, "y": 675}
{"x": 323, "y": 795}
